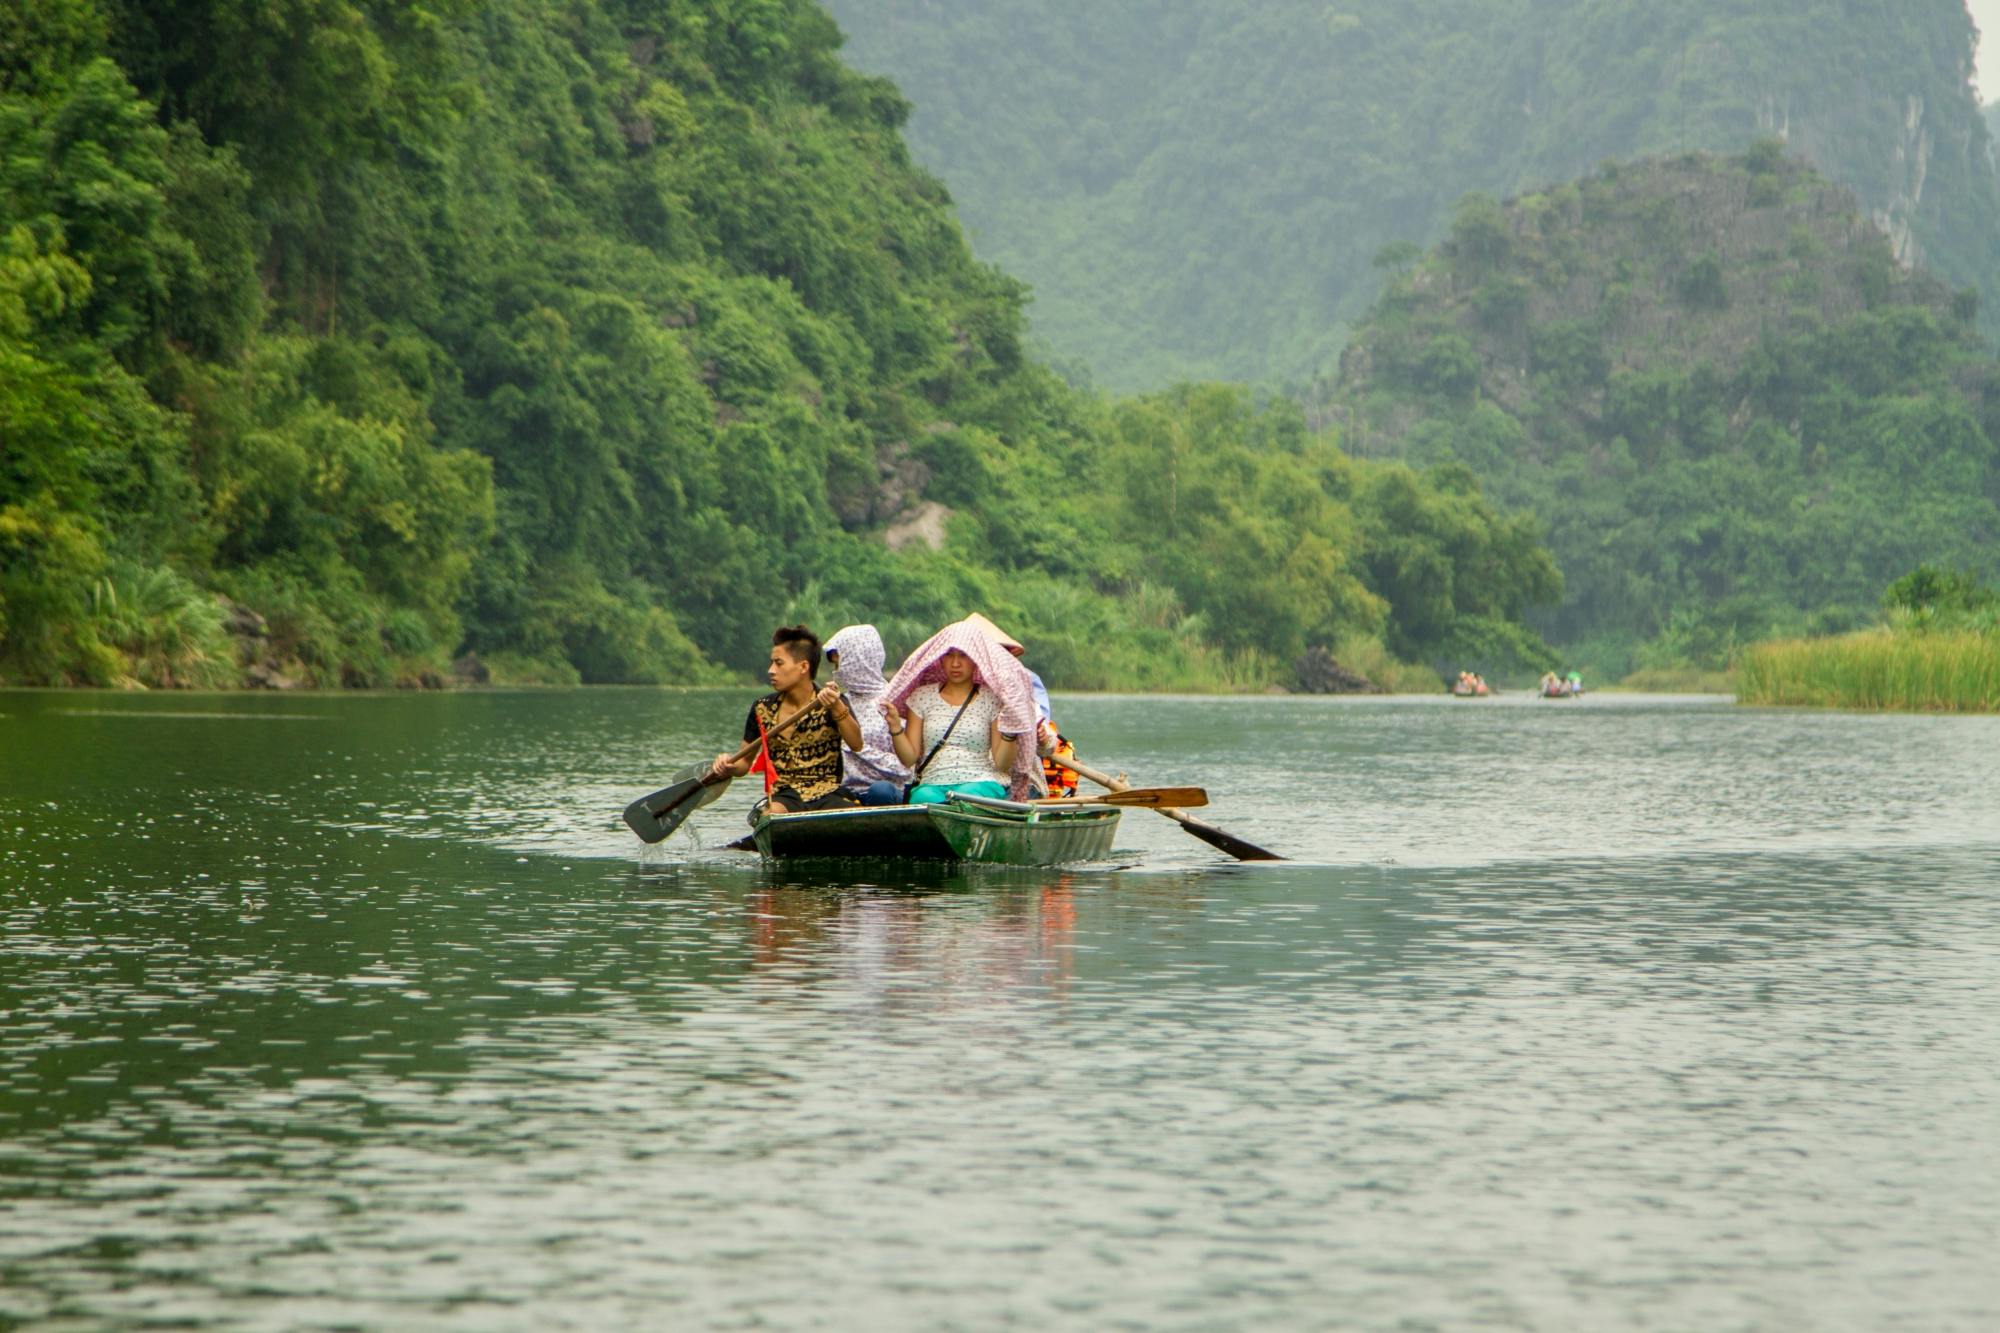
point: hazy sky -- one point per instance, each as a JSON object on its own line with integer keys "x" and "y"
{"x": 1986, "y": 13}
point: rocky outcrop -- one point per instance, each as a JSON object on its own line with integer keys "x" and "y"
{"x": 889, "y": 497}
{"x": 923, "y": 525}
{"x": 1909, "y": 169}
{"x": 1320, "y": 673}
{"x": 263, "y": 676}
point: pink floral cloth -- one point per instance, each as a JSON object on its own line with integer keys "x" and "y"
{"x": 998, "y": 672}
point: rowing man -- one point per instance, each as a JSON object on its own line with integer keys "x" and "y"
{"x": 801, "y": 766}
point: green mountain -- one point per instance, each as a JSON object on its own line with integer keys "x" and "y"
{"x": 343, "y": 340}
{"x": 1733, "y": 409}
{"x": 1201, "y": 190}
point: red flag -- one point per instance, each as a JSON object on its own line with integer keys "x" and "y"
{"x": 762, "y": 763}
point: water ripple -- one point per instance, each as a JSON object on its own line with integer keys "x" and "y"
{"x": 1650, "y": 1014}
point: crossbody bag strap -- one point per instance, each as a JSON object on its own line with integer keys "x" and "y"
{"x": 918, "y": 771}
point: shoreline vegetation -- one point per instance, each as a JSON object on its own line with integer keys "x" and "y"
{"x": 1677, "y": 680}
{"x": 1880, "y": 669}
{"x": 228, "y": 652}
{"x": 1937, "y": 650}
{"x": 1734, "y": 412}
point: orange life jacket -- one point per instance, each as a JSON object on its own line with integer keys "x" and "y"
{"x": 1061, "y": 782}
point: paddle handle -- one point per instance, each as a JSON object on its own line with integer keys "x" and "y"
{"x": 751, "y": 747}
{"x": 1075, "y": 765}
{"x": 1147, "y": 798}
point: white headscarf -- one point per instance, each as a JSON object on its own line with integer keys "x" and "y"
{"x": 857, "y": 668}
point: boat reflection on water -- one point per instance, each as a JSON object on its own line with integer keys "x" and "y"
{"x": 937, "y": 945}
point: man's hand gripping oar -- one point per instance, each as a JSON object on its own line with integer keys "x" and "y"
{"x": 654, "y": 817}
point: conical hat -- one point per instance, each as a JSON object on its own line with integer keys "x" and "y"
{"x": 1006, "y": 640}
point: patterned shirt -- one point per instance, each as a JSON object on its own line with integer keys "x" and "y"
{"x": 807, "y": 756}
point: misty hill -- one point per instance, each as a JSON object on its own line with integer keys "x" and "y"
{"x": 1200, "y": 190}
{"x": 1733, "y": 410}
{"x": 590, "y": 342}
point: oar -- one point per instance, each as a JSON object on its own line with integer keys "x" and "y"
{"x": 654, "y": 817}
{"x": 1237, "y": 847}
{"x": 1152, "y": 798}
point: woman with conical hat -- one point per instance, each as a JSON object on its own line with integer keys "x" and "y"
{"x": 958, "y": 711}
{"x": 1013, "y": 645}
{"x": 1056, "y": 780}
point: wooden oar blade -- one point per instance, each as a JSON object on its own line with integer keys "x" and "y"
{"x": 1240, "y": 848}
{"x": 1156, "y": 798}
{"x": 654, "y": 817}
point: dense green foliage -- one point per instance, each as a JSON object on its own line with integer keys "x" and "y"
{"x": 1201, "y": 190}
{"x": 591, "y": 338}
{"x": 1730, "y": 406}
{"x": 1928, "y": 595}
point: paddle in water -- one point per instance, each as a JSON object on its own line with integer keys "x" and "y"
{"x": 654, "y": 817}
{"x": 1240, "y": 848}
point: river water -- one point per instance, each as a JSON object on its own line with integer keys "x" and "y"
{"x": 366, "y": 1012}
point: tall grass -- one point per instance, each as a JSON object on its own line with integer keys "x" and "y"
{"x": 169, "y": 632}
{"x": 1943, "y": 671}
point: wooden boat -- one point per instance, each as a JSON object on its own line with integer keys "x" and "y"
{"x": 962, "y": 828}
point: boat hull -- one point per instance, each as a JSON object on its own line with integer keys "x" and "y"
{"x": 885, "y": 832}
{"x": 1008, "y": 833}
{"x": 991, "y": 836}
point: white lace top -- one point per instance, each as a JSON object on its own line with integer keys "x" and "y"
{"x": 968, "y": 755}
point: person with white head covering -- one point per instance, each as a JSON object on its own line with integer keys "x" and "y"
{"x": 873, "y": 772}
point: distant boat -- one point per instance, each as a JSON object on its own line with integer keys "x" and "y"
{"x": 1558, "y": 687}
{"x": 962, "y": 828}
